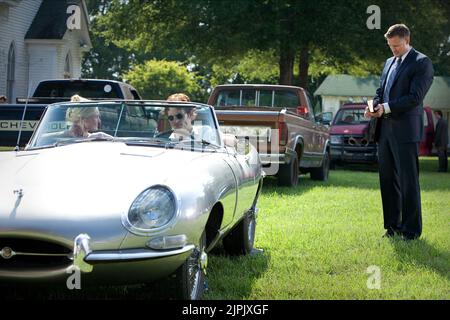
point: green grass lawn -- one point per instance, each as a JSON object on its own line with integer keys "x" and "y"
{"x": 6, "y": 148}
{"x": 318, "y": 240}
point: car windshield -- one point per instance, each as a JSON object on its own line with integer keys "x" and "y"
{"x": 258, "y": 98}
{"x": 349, "y": 117}
{"x": 66, "y": 88}
{"x": 139, "y": 123}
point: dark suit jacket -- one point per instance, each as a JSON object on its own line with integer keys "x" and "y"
{"x": 410, "y": 85}
{"x": 441, "y": 137}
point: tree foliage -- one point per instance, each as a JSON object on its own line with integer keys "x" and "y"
{"x": 157, "y": 79}
{"x": 302, "y": 38}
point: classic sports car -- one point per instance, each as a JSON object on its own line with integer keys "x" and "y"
{"x": 126, "y": 192}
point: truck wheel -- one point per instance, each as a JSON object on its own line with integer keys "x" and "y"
{"x": 241, "y": 239}
{"x": 288, "y": 173}
{"x": 332, "y": 165}
{"x": 322, "y": 172}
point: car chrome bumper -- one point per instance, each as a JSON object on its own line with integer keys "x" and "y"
{"x": 134, "y": 255}
{"x": 367, "y": 154}
{"x": 280, "y": 158}
{"x": 112, "y": 267}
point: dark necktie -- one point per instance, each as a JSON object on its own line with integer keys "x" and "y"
{"x": 391, "y": 78}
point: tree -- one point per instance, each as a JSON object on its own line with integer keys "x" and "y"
{"x": 156, "y": 79}
{"x": 105, "y": 60}
{"x": 214, "y": 31}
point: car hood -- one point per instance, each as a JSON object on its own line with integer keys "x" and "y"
{"x": 351, "y": 129}
{"x": 81, "y": 188}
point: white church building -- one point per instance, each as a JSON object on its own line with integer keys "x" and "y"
{"x": 40, "y": 39}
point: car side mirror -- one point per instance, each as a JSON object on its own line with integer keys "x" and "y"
{"x": 325, "y": 118}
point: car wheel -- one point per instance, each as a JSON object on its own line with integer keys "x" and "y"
{"x": 189, "y": 279}
{"x": 288, "y": 173}
{"x": 332, "y": 165}
{"x": 322, "y": 172}
{"x": 241, "y": 239}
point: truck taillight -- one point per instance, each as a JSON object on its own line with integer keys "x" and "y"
{"x": 282, "y": 133}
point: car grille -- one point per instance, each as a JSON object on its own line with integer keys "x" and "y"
{"x": 357, "y": 141}
{"x": 25, "y": 254}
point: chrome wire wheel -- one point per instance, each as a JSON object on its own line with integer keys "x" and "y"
{"x": 192, "y": 273}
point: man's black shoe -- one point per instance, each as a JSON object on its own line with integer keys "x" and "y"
{"x": 406, "y": 236}
{"x": 390, "y": 233}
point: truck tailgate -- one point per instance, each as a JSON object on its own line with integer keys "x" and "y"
{"x": 10, "y": 122}
{"x": 258, "y": 125}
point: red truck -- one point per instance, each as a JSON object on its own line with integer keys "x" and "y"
{"x": 429, "y": 124}
{"x": 348, "y": 136}
{"x": 280, "y": 122}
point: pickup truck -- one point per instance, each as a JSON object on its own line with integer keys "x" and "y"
{"x": 51, "y": 91}
{"x": 279, "y": 121}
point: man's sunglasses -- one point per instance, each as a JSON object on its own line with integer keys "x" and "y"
{"x": 179, "y": 116}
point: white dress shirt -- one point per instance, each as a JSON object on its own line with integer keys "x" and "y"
{"x": 387, "y": 109}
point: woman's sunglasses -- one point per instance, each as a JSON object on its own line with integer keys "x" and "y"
{"x": 179, "y": 116}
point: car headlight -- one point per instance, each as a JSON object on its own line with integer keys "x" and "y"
{"x": 152, "y": 210}
{"x": 336, "y": 139}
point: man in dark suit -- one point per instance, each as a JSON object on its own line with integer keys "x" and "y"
{"x": 441, "y": 141}
{"x": 406, "y": 78}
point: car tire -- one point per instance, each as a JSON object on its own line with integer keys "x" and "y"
{"x": 332, "y": 165}
{"x": 188, "y": 281}
{"x": 288, "y": 173}
{"x": 322, "y": 172}
{"x": 241, "y": 239}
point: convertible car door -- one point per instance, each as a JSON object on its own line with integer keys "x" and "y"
{"x": 244, "y": 174}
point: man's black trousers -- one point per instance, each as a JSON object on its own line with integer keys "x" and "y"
{"x": 399, "y": 182}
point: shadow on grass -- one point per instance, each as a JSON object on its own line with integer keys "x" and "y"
{"x": 420, "y": 252}
{"x": 234, "y": 277}
{"x": 357, "y": 167}
{"x": 335, "y": 180}
{"x": 357, "y": 176}
{"x": 305, "y": 184}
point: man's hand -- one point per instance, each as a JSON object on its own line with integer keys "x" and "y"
{"x": 379, "y": 110}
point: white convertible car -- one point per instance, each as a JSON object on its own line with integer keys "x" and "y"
{"x": 125, "y": 192}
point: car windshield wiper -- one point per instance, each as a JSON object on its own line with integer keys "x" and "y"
{"x": 144, "y": 141}
{"x": 203, "y": 142}
{"x": 47, "y": 146}
{"x": 80, "y": 140}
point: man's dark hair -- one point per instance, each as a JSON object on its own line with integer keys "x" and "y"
{"x": 397, "y": 30}
{"x": 439, "y": 112}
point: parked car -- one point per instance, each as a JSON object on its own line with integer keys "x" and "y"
{"x": 52, "y": 91}
{"x": 125, "y": 202}
{"x": 349, "y": 136}
{"x": 280, "y": 121}
{"x": 429, "y": 124}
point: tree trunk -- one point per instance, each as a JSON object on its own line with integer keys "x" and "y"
{"x": 286, "y": 63}
{"x": 303, "y": 68}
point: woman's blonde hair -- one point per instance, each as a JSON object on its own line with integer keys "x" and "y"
{"x": 178, "y": 97}
{"x": 75, "y": 114}
{"x": 77, "y": 98}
